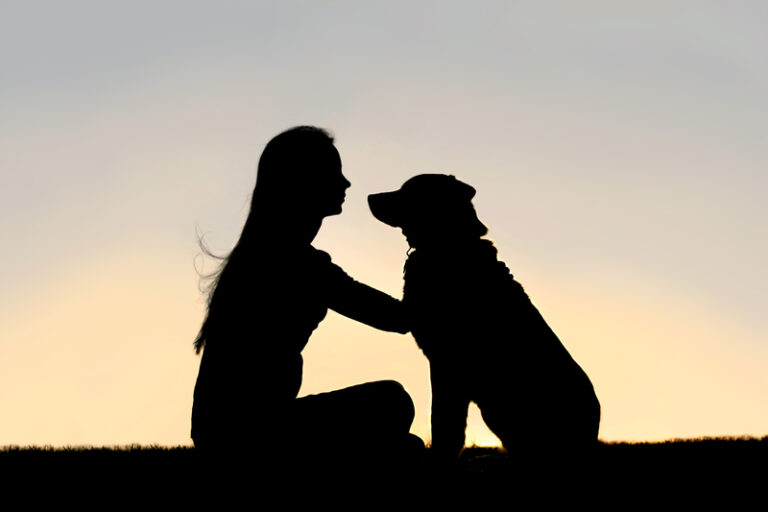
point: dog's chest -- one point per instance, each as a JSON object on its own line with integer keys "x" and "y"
{"x": 444, "y": 299}
{"x": 451, "y": 282}
{"x": 428, "y": 284}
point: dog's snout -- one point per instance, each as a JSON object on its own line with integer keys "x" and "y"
{"x": 385, "y": 207}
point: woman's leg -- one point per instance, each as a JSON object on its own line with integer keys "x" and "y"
{"x": 369, "y": 419}
{"x": 364, "y": 411}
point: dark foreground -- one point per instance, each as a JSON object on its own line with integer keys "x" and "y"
{"x": 691, "y": 470}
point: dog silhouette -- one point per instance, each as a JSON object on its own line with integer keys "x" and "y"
{"x": 485, "y": 340}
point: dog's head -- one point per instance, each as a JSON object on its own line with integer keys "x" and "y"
{"x": 429, "y": 208}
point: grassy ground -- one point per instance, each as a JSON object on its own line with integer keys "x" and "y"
{"x": 692, "y": 455}
{"x": 688, "y": 468}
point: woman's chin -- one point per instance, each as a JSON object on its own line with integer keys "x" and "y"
{"x": 333, "y": 211}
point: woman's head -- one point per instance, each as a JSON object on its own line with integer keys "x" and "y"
{"x": 299, "y": 182}
{"x": 299, "y": 176}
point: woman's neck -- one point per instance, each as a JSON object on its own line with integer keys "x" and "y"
{"x": 307, "y": 231}
{"x": 287, "y": 229}
{"x": 297, "y": 231}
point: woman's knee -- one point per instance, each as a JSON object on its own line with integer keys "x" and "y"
{"x": 397, "y": 403}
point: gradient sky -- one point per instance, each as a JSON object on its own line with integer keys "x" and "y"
{"x": 619, "y": 151}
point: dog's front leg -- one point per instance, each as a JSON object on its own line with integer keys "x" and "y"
{"x": 449, "y": 413}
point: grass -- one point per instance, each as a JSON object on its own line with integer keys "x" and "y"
{"x": 697, "y": 466}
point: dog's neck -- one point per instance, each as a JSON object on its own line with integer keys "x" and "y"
{"x": 474, "y": 253}
{"x": 476, "y": 261}
{"x": 450, "y": 247}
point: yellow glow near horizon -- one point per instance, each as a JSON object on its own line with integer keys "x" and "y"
{"x": 651, "y": 387}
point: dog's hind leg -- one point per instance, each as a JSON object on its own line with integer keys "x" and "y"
{"x": 449, "y": 413}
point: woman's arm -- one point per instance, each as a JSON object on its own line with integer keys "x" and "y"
{"x": 362, "y": 303}
{"x": 369, "y": 306}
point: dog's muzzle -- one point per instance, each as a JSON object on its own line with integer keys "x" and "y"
{"x": 386, "y": 207}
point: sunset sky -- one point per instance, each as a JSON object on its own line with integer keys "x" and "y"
{"x": 619, "y": 151}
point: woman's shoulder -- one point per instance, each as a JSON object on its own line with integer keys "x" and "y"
{"x": 323, "y": 264}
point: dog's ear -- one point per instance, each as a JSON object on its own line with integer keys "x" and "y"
{"x": 464, "y": 191}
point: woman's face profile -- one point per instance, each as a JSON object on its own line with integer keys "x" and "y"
{"x": 331, "y": 185}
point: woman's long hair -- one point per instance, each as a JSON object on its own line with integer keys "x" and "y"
{"x": 285, "y": 165}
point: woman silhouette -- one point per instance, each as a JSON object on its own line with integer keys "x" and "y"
{"x": 268, "y": 296}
